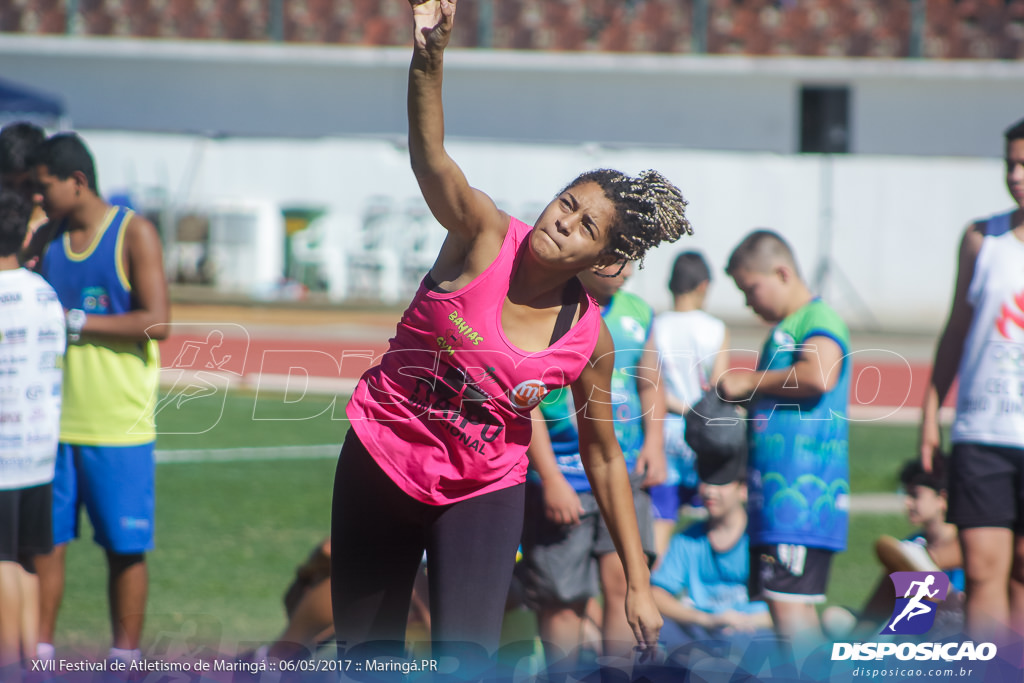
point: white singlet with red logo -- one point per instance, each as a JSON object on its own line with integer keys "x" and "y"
{"x": 990, "y": 399}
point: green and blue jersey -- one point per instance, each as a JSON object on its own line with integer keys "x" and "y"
{"x": 799, "y": 485}
{"x": 628, "y": 319}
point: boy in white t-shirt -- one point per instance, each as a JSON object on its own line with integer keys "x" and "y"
{"x": 692, "y": 349}
{"x": 32, "y": 340}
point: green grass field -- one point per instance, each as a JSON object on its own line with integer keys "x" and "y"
{"x": 230, "y": 533}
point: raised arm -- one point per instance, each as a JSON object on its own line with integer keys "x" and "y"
{"x": 950, "y": 346}
{"x": 464, "y": 211}
{"x": 609, "y": 482}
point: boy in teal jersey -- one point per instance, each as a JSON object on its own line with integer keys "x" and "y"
{"x": 799, "y": 471}
{"x": 568, "y": 557}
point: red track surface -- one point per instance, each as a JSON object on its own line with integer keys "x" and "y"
{"x": 881, "y": 383}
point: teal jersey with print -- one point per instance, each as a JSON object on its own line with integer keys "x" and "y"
{"x": 799, "y": 484}
{"x": 629, "y": 320}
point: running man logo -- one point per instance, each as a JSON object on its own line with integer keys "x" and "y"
{"x": 528, "y": 394}
{"x": 917, "y": 598}
{"x": 200, "y": 367}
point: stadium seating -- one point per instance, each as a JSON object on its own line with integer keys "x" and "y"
{"x": 955, "y": 29}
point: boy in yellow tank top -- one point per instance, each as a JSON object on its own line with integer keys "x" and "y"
{"x": 106, "y": 265}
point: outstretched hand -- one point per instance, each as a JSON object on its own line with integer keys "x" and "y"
{"x": 433, "y": 21}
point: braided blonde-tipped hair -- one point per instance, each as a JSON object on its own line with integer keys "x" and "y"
{"x": 650, "y": 209}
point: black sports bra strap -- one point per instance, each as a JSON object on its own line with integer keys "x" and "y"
{"x": 570, "y": 303}
{"x": 431, "y": 284}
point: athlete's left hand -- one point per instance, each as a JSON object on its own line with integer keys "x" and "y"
{"x": 645, "y": 620}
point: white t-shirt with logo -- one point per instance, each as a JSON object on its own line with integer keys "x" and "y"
{"x": 32, "y": 343}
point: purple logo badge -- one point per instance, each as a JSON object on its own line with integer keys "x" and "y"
{"x": 917, "y": 598}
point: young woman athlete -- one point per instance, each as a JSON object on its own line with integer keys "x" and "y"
{"x": 436, "y": 456}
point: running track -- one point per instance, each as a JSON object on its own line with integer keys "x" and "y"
{"x": 885, "y": 386}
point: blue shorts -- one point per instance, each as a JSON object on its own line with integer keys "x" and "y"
{"x": 666, "y": 499}
{"x": 116, "y": 486}
{"x": 681, "y": 487}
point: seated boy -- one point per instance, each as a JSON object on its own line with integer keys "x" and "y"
{"x": 701, "y": 585}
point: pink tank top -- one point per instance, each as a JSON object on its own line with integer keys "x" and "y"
{"x": 446, "y": 412}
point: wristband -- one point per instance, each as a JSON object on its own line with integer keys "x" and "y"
{"x": 75, "y": 320}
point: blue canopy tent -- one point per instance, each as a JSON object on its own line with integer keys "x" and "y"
{"x": 19, "y": 103}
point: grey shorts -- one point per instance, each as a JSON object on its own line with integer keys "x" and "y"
{"x": 559, "y": 564}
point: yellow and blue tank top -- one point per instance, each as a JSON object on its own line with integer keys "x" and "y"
{"x": 799, "y": 483}
{"x": 629, "y": 321}
{"x": 110, "y": 385}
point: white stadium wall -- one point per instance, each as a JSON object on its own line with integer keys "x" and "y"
{"x": 894, "y": 222}
{"x": 905, "y": 107}
{"x": 325, "y": 126}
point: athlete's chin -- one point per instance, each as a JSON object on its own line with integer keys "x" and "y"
{"x": 555, "y": 259}
{"x": 542, "y": 246}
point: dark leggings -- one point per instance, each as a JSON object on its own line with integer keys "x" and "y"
{"x": 378, "y": 535}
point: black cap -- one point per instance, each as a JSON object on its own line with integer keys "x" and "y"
{"x": 717, "y": 432}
